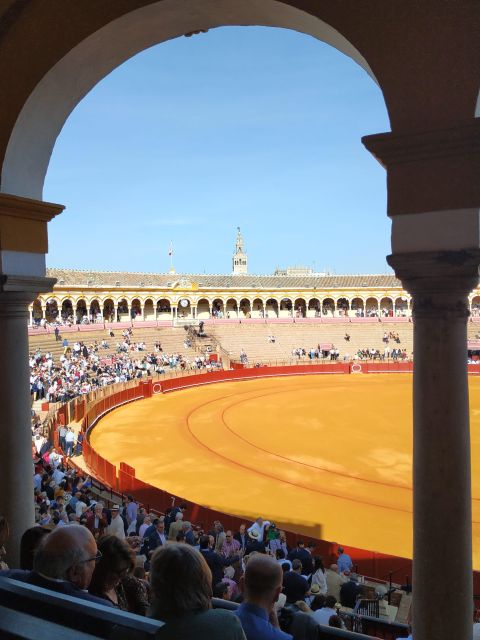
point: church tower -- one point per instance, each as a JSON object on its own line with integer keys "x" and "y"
{"x": 240, "y": 261}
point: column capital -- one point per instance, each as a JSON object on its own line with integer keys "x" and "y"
{"x": 430, "y": 170}
{"x": 18, "y": 292}
{"x": 439, "y": 281}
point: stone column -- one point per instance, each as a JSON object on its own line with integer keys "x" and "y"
{"x": 440, "y": 283}
{"x": 16, "y": 497}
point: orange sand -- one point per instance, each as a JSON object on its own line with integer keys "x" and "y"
{"x": 329, "y": 456}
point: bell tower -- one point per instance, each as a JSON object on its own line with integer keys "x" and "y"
{"x": 240, "y": 260}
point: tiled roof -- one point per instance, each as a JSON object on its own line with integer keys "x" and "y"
{"x": 71, "y": 277}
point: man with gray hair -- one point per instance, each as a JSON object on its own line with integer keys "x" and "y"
{"x": 63, "y": 562}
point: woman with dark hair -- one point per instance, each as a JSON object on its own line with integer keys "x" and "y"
{"x": 319, "y": 577}
{"x": 116, "y": 562}
{"x": 182, "y": 589}
{"x": 29, "y": 544}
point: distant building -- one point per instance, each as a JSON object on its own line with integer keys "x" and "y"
{"x": 297, "y": 271}
{"x": 240, "y": 260}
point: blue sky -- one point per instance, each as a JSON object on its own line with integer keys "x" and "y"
{"x": 252, "y": 127}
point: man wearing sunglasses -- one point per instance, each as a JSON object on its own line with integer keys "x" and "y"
{"x": 63, "y": 562}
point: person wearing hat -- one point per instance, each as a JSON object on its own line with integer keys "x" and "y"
{"x": 259, "y": 526}
{"x": 254, "y": 543}
{"x": 116, "y": 526}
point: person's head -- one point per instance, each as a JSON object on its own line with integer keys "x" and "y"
{"x": 300, "y": 544}
{"x": 297, "y": 565}
{"x": 259, "y": 521}
{"x": 181, "y": 581}
{"x": 130, "y": 499}
{"x": 147, "y": 520}
{"x": 186, "y": 526}
{"x": 318, "y": 565}
{"x": 228, "y": 536}
{"x": 285, "y": 567}
{"x": 116, "y": 562}
{"x": 283, "y": 536}
{"x": 115, "y": 511}
{"x": 68, "y": 553}
{"x": 204, "y": 542}
{"x": 221, "y": 590}
{"x": 262, "y": 581}
{"x": 335, "y": 621}
{"x": 318, "y": 602}
{"x": 179, "y": 515}
{"x": 182, "y": 507}
{"x": 339, "y": 551}
{"x": 242, "y": 529}
{"x": 160, "y": 525}
{"x": 330, "y": 602}
{"x": 180, "y": 537}
{"x": 334, "y": 567}
{"x": 139, "y": 572}
{"x": 280, "y": 554}
{"x": 29, "y": 544}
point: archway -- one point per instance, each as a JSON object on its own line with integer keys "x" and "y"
{"x": 51, "y": 314}
{"x": 81, "y": 311}
{"x": 94, "y": 313}
{"x": 203, "y": 309}
{"x": 184, "y": 308}
{"x": 218, "y": 310}
{"x": 123, "y": 314}
{"x": 232, "y": 308}
{"x": 271, "y": 308}
{"x": 358, "y": 309}
{"x": 286, "y": 306}
{"x": 313, "y": 310}
{"x": 67, "y": 310}
{"x": 386, "y": 307}
{"x": 371, "y": 307}
{"x": 258, "y": 310}
{"x": 37, "y": 311}
{"x": 60, "y": 89}
{"x": 328, "y": 307}
{"x": 163, "y": 309}
{"x": 136, "y": 309}
{"x": 245, "y": 308}
{"x": 149, "y": 310}
{"x": 109, "y": 310}
{"x": 300, "y": 308}
{"x": 343, "y": 306}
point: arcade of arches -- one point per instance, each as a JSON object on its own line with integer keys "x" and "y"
{"x": 425, "y": 57}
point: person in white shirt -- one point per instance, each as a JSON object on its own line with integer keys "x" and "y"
{"x": 323, "y": 615}
{"x": 147, "y": 521}
{"x": 259, "y": 526}
{"x": 116, "y": 527}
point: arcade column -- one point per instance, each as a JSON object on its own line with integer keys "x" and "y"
{"x": 23, "y": 245}
{"x": 440, "y": 283}
{"x": 434, "y": 204}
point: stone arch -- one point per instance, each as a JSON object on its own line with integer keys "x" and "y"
{"x": 109, "y": 310}
{"x": 231, "y": 308}
{"x": 271, "y": 308}
{"x": 300, "y": 308}
{"x": 286, "y": 308}
{"x": 245, "y": 308}
{"x": 203, "y": 309}
{"x": 218, "y": 308}
{"x": 386, "y": 306}
{"x": 67, "y": 310}
{"x": 149, "y": 309}
{"x": 184, "y": 307}
{"x": 328, "y": 307}
{"x": 60, "y": 89}
{"x": 314, "y": 308}
{"x": 358, "y": 307}
{"x": 343, "y": 306}
{"x": 123, "y": 312}
{"x": 163, "y": 309}
{"x": 52, "y": 310}
{"x": 136, "y": 309}
{"x": 401, "y": 306}
{"x": 371, "y": 307}
{"x": 95, "y": 313}
{"x": 81, "y": 310}
{"x": 37, "y": 311}
{"x": 258, "y": 308}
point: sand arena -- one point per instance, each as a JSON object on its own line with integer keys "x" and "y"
{"x": 324, "y": 455}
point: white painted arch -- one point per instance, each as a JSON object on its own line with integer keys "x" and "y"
{"x": 63, "y": 87}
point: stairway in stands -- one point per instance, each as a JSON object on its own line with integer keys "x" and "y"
{"x": 253, "y": 338}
